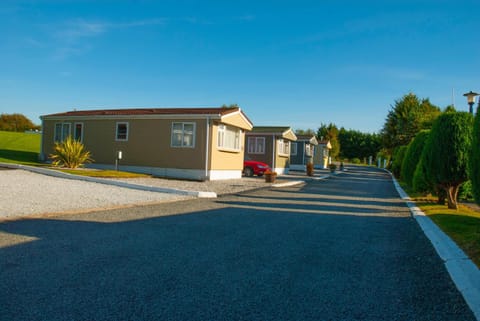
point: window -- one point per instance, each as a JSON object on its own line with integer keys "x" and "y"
{"x": 293, "y": 149}
{"x": 62, "y": 131}
{"x": 122, "y": 132}
{"x": 283, "y": 147}
{"x": 183, "y": 134}
{"x": 228, "y": 137}
{"x": 256, "y": 145}
{"x": 78, "y": 132}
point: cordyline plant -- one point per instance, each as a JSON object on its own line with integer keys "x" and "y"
{"x": 70, "y": 153}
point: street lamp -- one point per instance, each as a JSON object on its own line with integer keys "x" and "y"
{"x": 471, "y": 99}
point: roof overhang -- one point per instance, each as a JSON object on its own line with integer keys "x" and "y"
{"x": 289, "y": 134}
{"x": 311, "y": 140}
{"x": 234, "y": 117}
{"x": 237, "y": 119}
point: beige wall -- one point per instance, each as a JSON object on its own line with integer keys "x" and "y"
{"x": 281, "y": 161}
{"x": 221, "y": 159}
{"x": 149, "y": 142}
{"x": 236, "y": 119}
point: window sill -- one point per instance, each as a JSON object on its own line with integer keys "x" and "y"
{"x": 228, "y": 150}
{"x": 190, "y": 147}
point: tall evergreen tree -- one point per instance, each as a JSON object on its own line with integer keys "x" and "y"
{"x": 407, "y": 117}
{"x": 474, "y": 165}
{"x": 447, "y": 153}
{"x": 355, "y": 144}
{"x": 330, "y": 132}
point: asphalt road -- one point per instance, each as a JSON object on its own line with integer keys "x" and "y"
{"x": 344, "y": 248}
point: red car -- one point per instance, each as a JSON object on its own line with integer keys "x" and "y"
{"x": 251, "y": 167}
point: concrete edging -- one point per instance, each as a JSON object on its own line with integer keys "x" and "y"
{"x": 462, "y": 270}
{"x": 54, "y": 173}
{"x": 287, "y": 184}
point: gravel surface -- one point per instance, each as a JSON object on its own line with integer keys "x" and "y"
{"x": 23, "y": 193}
{"x": 221, "y": 187}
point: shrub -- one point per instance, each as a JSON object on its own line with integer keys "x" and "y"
{"x": 466, "y": 191}
{"x": 412, "y": 157}
{"x": 398, "y": 156}
{"x": 420, "y": 182}
{"x": 70, "y": 153}
{"x": 332, "y": 167}
{"x": 356, "y": 161}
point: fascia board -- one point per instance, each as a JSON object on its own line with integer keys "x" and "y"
{"x": 129, "y": 117}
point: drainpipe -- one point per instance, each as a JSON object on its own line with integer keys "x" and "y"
{"x": 41, "y": 156}
{"x": 274, "y": 147}
{"x": 304, "y": 151}
{"x": 207, "y": 144}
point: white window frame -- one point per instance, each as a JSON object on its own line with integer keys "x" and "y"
{"x": 253, "y": 145}
{"x": 293, "y": 149}
{"x": 223, "y": 132}
{"x": 283, "y": 147}
{"x": 182, "y": 145}
{"x": 126, "y": 134}
{"x": 80, "y": 139}
{"x": 60, "y": 137}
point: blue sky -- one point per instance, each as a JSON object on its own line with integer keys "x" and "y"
{"x": 297, "y": 63}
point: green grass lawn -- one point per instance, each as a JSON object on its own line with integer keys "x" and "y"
{"x": 19, "y": 148}
{"x": 24, "y": 148}
{"x": 462, "y": 225}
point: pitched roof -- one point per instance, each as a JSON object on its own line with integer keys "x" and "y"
{"x": 326, "y": 143}
{"x": 312, "y": 139}
{"x": 270, "y": 129}
{"x": 284, "y": 131}
{"x": 221, "y": 111}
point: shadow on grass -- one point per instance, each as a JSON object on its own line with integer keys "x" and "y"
{"x": 19, "y": 156}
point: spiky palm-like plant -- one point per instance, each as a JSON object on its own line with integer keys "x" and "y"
{"x": 70, "y": 153}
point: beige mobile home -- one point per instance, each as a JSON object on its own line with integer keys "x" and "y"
{"x": 321, "y": 157}
{"x": 189, "y": 143}
{"x": 271, "y": 145}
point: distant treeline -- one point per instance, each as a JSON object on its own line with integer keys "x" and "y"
{"x": 16, "y": 123}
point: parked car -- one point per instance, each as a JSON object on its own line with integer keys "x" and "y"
{"x": 252, "y": 167}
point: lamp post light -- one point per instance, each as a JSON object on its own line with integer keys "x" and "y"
{"x": 471, "y": 99}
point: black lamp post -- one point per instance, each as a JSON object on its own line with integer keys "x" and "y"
{"x": 471, "y": 99}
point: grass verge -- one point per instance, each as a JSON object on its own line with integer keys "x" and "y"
{"x": 102, "y": 173}
{"x": 462, "y": 225}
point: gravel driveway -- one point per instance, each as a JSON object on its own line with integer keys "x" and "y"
{"x": 23, "y": 193}
{"x": 345, "y": 248}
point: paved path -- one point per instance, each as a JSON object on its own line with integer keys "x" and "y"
{"x": 344, "y": 248}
